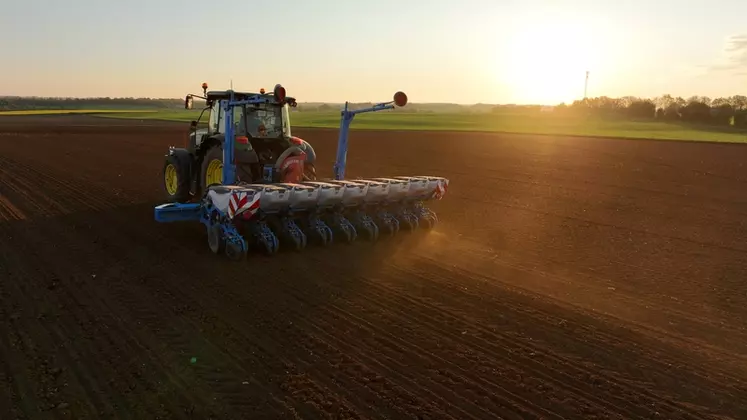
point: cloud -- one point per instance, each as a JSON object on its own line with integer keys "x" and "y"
{"x": 735, "y": 56}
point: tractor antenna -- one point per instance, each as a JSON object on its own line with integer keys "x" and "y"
{"x": 231, "y": 84}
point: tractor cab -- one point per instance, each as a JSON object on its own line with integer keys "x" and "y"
{"x": 265, "y": 123}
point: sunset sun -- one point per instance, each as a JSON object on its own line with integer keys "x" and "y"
{"x": 546, "y": 63}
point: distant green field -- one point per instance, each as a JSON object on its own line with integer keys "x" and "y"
{"x": 70, "y": 111}
{"x": 170, "y": 115}
{"x": 510, "y": 122}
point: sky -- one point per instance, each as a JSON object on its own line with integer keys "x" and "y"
{"x": 465, "y": 51}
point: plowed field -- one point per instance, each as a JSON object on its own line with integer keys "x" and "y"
{"x": 568, "y": 278}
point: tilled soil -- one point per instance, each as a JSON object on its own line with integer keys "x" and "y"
{"x": 567, "y": 278}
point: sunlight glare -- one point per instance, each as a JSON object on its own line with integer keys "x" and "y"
{"x": 547, "y": 62}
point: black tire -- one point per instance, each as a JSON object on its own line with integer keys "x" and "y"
{"x": 178, "y": 191}
{"x": 235, "y": 252}
{"x": 214, "y": 153}
{"x": 309, "y": 172}
{"x": 216, "y": 241}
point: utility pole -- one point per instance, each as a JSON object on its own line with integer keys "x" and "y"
{"x": 586, "y": 83}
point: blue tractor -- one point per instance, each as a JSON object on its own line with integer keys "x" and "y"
{"x": 254, "y": 185}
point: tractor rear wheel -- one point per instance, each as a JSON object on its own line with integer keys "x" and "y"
{"x": 211, "y": 171}
{"x": 175, "y": 180}
{"x": 309, "y": 172}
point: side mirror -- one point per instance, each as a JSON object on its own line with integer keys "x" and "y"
{"x": 188, "y": 102}
{"x": 400, "y": 99}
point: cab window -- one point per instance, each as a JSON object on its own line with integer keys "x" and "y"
{"x": 239, "y": 125}
{"x": 216, "y": 118}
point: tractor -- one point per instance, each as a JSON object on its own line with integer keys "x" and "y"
{"x": 264, "y": 149}
{"x": 253, "y": 184}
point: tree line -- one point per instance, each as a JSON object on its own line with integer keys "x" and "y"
{"x": 696, "y": 109}
{"x": 15, "y": 103}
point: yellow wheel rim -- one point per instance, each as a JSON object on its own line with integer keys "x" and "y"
{"x": 170, "y": 178}
{"x": 214, "y": 173}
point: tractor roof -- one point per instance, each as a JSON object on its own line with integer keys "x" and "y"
{"x": 225, "y": 94}
{"x": 214, "y": 95}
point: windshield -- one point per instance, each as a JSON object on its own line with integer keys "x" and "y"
{"x": 264, "y": 120}
{"x": 286, "y": 120}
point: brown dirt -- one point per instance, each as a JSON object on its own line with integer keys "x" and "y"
{"x": 568, "y": 278}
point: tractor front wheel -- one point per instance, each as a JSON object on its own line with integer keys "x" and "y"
{"x": 176, "y": 180}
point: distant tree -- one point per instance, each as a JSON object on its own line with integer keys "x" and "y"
{"x": 739, "y": 102}
{"x": 664, "y": 101}
{"x": 696, "y": 111}
{"x": 699, "y": 99}
{"x": 672, "y": 111}
{"x": 641, "y": 108}
{"x": 626, "y": 101}
{"x": 720, "y": 102}
{"x": 722, "y": 114}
